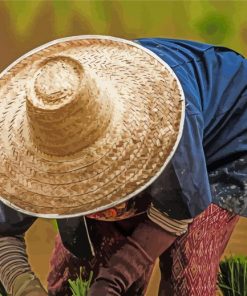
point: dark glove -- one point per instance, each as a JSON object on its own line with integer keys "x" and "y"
{"x": 27, "y": 284}
{"x": 129, "y": 263}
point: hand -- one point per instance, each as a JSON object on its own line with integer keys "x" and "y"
{"x": 27, "y": 284}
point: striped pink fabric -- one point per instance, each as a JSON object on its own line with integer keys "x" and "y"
{"x": 13, "y": 260}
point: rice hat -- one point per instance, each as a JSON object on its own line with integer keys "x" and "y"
{"x": 86, "y": 122}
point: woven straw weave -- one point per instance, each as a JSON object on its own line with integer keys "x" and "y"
{"x": 85, "y": 123}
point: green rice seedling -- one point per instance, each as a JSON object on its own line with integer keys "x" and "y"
{"x": 232, "y": 278}
{"x": 80, "y": 287}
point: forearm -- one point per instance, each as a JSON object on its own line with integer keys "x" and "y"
{"x": 129, "y": 263}
{"x": 152, "y": 238}
{"x": 13, "y": 260}
{"x": 147, "y": 242}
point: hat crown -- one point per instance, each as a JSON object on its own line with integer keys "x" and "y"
{"x": 66, "y": 111}
{"x": 57, "y": 80}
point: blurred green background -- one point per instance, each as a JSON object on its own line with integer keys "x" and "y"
{"x": 25, "y": 25}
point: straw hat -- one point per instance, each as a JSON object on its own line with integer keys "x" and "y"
{"x": 86, "y": 122}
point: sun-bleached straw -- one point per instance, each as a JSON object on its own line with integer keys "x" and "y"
{"x": 86, "y": 123}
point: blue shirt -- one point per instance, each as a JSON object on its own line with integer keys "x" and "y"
{"x": 214, "y": 81}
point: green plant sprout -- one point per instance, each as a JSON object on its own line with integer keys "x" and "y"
{"x": 80, "y": 287}
{"x": 232, "y": 278}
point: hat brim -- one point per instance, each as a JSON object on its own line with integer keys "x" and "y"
{"x": 133, "y": 152}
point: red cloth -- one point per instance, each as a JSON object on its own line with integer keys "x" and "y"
{"x": 190, "y": 266}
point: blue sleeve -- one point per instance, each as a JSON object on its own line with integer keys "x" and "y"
{"x": 224, "y": 91}
{"x": 183, "y": 189}
{"x": 13, "y": 222}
